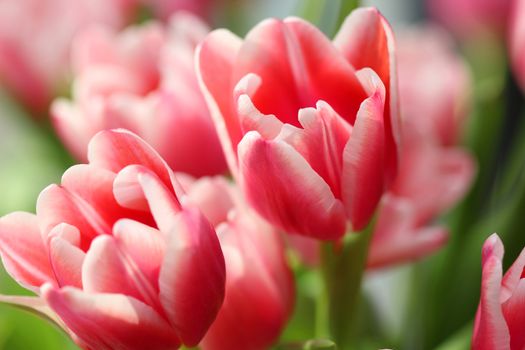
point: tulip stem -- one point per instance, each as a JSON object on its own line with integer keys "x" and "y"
{"x": 321, "y": 312}
{"x": 343, "y": 267}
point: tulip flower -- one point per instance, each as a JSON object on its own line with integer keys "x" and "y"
{"x": 165, "y": 8}
{"x": 259, "y": 284}
{"x": 308, "y": 126}
{"x": 470, "y": 18}
{"x": 436, "y": 113}
{"x": 118, "y": 260}
{"x": 430, "y": 181}
{"x": 517, "y": 41}
{"x": 434, "y": 173}
{"x": 35, "y": 38}
{"x": 500, "y": 318}
{"x": 142, "y": 79}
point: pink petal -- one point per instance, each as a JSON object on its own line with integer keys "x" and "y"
{"x": 94, "y": 186}
{"x": 183, "y": 132}
{"x": 143, "y": 244}
{"x": 517, "y": 40}
{"x": 366, "y": 40}
{"x": 285, "y": 190}
{"x": 192, "y": 277}
{"x": 397, "y": 238}
{"x": 490, "y": 329}
{"x": 107, "y": 269}
{"x": 23, "y": 252}
{"x": 115, "y": 149}
{"x": 213, "y": 197}
{"x": 322, "y": 141}
{"x": 73, "y": 127}
{"x": 65, "y": 255}
{"x": 127, "y": 189}
{"x": 363, "y": 159}
{"x": 56, "y": 205}
{"x": 434, "y": 178}
{"x": 259, "y": 287}
{"x": 250, "y": 118}
{"x": 164, "y": 206}
{"x": 215, "y": 60}
{"x": 300, "y": 67}
{"x": 418, "y": 244}
{"x": 110, "y": 321}
{"x": 514, "y": 312}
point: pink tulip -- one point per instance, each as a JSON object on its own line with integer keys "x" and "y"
{"x": 165, "y": 8}
{"x": 433, "y": 174}
{"x": 35, "y": 37}
{"x": 117, "y": 258}
{"x": 500, "y": 319}
{"x": 469, "y": 18}
{"x": 259, "y": 284}
{"x": 430, "y": 181}
{"x": 142, "y": 79}
{"x": 434, "y": 87}
{"x": 306, "y": 125}
{"x": 517, "y": 41}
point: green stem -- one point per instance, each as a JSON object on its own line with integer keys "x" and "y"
{"x": 343, "y": 273}
{"x": 321, "y": 313}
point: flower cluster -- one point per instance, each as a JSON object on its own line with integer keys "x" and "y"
{"x": 207, "y": 158}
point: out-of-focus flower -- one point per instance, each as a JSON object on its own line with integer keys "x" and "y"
{"x": 434, "y": 87}
{"x": 165, "y": 8}
{"x": 142, "y": 79}
{"x": 117, "y": 258}
{"x": 517, "y": 41}
{"x": 35, "y": 37}
{"x": 500, "y": 320}
{"x": 308, "y": 128}
{"x": 430, "y": 181}
{"x": 433, "y": 174}
{"x": 259, "y": 284}
{"x": 469, "y": 18}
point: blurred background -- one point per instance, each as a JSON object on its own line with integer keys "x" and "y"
{"x": 426, "y": 305}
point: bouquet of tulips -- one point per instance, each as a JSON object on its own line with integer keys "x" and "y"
{"x": 251, "y": 175}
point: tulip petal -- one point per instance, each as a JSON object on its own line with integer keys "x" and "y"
{"x": 515, "y": 317}
{"x": 107, "y": 270}
{"x": 65, "y": 255}
{"x": 115, "y": 149}
{"x": 164, "y": 206}
{"x": 418, "y": 244}
{"x": 250, "y": 117}
{"x": 363, "y": 160}
{"x": 23, "y": 252}
{"x": 285, "y": 190}
{"x": 110, "y": 321}
{"x": 192, "y": 277}
{"x": 300, "y": 67}
{"x": 56, "y": 205}
{"x": 94, "y": 186}
{"x": 255, "y": 296}
{"x": 144, "y": 244}
{"x": 72, "y": 126}
{"x": 434, "y": 178}
{"x": 322, "y": 141}
{"x": 215, "y": 60}
{"x": 213, "y": 197}
{"x": 490, "y": 328}
{"x": 366, "y": 40}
